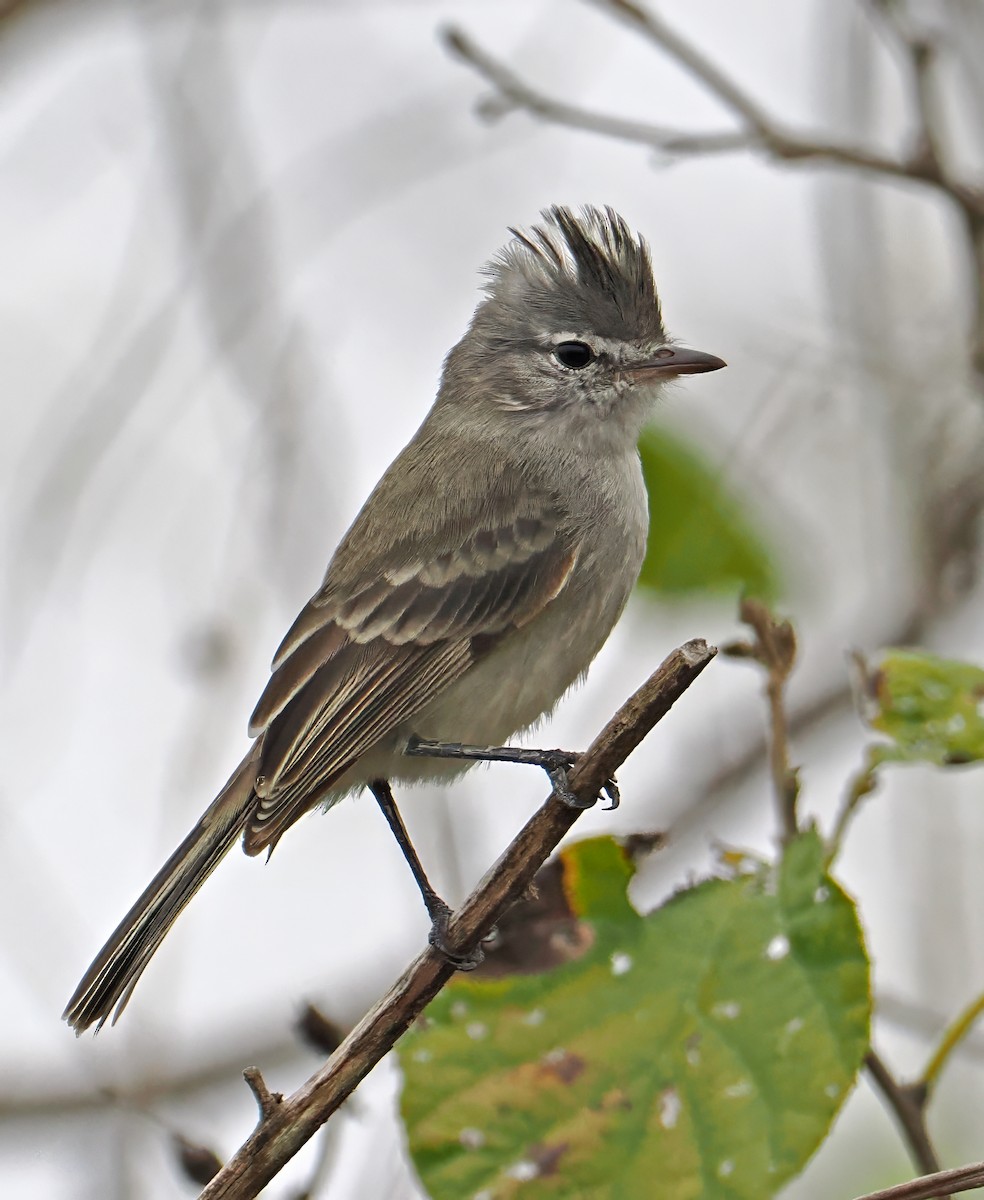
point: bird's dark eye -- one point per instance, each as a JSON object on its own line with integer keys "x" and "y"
{"x": 575, "y": 355}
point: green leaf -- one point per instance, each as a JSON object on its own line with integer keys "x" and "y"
{"x": 706, "y": 1046}
{"x": 932, "y": 708}
{"x": 699, "y": 538}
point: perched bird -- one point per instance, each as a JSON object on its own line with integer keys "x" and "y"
{"x": 476, "y": 585}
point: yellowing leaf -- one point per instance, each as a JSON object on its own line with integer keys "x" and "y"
{"x": 706, "y": 1046}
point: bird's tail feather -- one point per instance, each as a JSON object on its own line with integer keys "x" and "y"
{"x": 111, "y": 978}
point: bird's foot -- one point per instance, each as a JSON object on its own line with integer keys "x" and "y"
{"x": 440, "y": 915}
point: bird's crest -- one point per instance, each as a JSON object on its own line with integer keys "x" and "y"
{"x": 579, "y": 272}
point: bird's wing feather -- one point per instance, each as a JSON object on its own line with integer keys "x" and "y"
{"x": 377, "y": 644}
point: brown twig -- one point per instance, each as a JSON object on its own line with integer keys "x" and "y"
{"x": 839, "y": 699}
{"x": 959, "y": 1179}
{"x": 774, "y": 648}
{"x": 283, "y": 1130}
{"x": 266, "y": 1101}
{"x": 908, "y": 1104}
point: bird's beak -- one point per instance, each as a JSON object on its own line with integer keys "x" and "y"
{"x": 674, "y": 360}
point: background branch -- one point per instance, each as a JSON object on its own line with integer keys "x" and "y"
{"x": 763, "y": 134}
{"x": 920, "y": 52}
{"x": 759, "y": 130}
{"x": 162, "y": 1083}
{"x": 288, "y": 1124}
{"x": 514, "y": 93}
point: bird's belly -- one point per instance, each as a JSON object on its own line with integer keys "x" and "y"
{"x": 524, "y": 677}
{"x": 507, "y": 692}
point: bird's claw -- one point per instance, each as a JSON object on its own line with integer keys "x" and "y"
{"x": 557, "y": 764}
{"x": 610, "y": 788}
{"x": 440, "y": 915}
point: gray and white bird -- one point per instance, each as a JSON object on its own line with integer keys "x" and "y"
{"x": 480, "y": 579}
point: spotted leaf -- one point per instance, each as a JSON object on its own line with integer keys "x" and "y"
{"x": 707, "y": 1045}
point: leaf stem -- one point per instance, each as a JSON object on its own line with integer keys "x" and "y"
{"x": 953, "y": 1035}
{"x": 862, "y": 783}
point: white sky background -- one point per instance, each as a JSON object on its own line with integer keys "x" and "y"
{"x": 235, "y": 244}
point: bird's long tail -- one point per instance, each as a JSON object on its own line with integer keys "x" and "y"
{"x": 111, "y": 978}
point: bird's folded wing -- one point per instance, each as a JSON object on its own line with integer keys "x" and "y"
{"x": 368, "y": 652}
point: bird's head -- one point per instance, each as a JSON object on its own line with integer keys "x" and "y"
{"x": 571, "y": 325}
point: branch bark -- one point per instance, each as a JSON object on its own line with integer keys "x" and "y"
{"x": 288, "y": 1123}
{"x": 959, "y": 1179}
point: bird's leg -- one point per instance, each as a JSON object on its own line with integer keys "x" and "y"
{"x": 556, "y": 763}
{"x": 438, "y": 911}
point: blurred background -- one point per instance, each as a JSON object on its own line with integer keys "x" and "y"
{"x": 236, "y": 240}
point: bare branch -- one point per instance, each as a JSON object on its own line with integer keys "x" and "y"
{"x": 283, "y": 1130}
{"x": 959, "y": 1179}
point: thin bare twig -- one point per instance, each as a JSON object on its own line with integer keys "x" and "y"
{"x": 908, "y": 1103}
{"x": 759, "y": 130}
{"x": 266, "y": 1101}
{"x": 774, "y": 648}
{"x": 840, "y": 698}
{"x": 513, "y": 92}
{"x": 291, "y": 1123}
{"x": 762, "y": 135}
